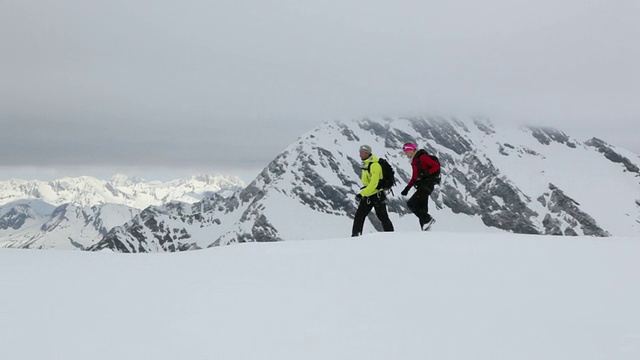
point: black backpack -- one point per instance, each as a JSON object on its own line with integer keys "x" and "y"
{"x": 423, "y": 174}
{"x": 388, "y": 175}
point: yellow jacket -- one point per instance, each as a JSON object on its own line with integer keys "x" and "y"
{"x": 371, "y": 175}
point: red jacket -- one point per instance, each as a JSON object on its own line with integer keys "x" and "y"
{"x": 426, "y": 164}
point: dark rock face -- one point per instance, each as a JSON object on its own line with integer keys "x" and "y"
{"x": 373, "y": 127}
{"x": 151, "y": 230}
{"x": 15, "y": 217}
{"x": 348, "y": 133}
{"x": 134, "y": 236}
{"x": 325, "y": 197}
{"x": 485, "y": 126}
{"x": 547, "y": 135}
{"x": 443, "y": 133}
{"x": 552, "y": 226}
{"x": 567, "y": 209}
{"x": 610, "y": 154}
{"x": 484, "y": 184}
{"x": 263, "y": 231}
{"x": 513, "y": 214}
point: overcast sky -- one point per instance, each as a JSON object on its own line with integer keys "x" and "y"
{"x": 179, "y": 87}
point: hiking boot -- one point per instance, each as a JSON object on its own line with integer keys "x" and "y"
{"x": 428, "y": 224}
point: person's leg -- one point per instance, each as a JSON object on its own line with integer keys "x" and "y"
{"x": 361, "y": 214}
{"x": 418, "y": 205}
{"x": 428, "y": 219}
{"x": 426, "y": 196}
{"x": 383, "y": 215}
{"x": 380, "y": 206}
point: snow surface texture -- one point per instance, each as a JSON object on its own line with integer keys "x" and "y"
{"x": 404, "y": 295}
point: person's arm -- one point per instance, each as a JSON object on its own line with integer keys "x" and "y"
{"x": 414, "y": 174}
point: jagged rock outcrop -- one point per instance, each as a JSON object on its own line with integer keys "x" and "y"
{"x": 608, "y": 151}
{"x": 16, "y": 217}
{"x": 568, "y": 209}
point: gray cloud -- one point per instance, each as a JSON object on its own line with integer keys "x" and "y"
{"x": 168, "y": 83}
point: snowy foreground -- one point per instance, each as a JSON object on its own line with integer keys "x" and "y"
{"x": 382, "y": 296}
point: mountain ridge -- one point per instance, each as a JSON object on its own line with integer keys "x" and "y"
{"x": 92, "y": 207}
{"x": 120, "y": 189}
{"x": 523, "y": 180}
{"x": 529, "y": 180}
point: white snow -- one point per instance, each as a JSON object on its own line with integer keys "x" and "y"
{"x": 138, "y": 193}
{"x": 403, "y": 295}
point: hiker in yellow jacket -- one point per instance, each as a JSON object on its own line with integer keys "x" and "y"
{"x": 370, "y": 197}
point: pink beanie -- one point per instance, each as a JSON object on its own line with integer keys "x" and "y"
{"x": 408, "y": 147}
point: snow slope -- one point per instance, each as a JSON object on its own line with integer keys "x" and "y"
{"x": 404, "y": 295}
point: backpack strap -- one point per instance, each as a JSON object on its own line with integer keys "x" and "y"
{"x": 421, "y": 171}
{"x": 368, "y": 168}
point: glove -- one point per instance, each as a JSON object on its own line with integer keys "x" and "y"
{"x": 358, "y": 198}
{"x": 405, "y": 191}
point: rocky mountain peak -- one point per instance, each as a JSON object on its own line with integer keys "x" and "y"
{"x": 530, "y": 180}
{"x": 494, "y": 178}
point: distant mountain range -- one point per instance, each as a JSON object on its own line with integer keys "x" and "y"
{"x": 529, "y": 180}
{"x": 75, "y": 213}
{"x": 132, "y": 192}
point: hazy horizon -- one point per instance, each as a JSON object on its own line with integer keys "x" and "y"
{"x": 228, "y": 85}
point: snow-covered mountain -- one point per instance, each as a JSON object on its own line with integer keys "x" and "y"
{"x": 525, "y": 180}
{"x": 91, "y": 207}
{"x": 137, "y": 193}
{"x": 34, "y": 224}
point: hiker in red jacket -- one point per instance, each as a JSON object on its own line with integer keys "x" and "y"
{"x": 426, "y": 174}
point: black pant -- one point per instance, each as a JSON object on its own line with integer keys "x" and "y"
{"x": 419, "y": 204}
{"x": 366, "y": 204}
